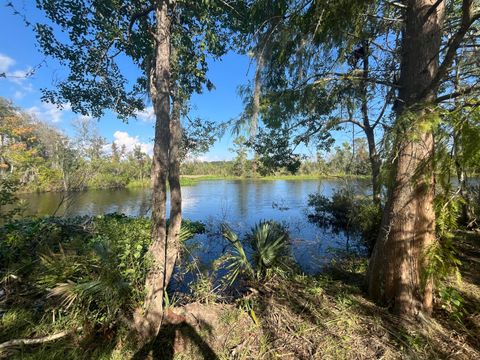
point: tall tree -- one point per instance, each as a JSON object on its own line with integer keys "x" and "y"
{"x": 315, "y": 61}
{"x": 398, "y": 263}
{"x": 168, "y": 40}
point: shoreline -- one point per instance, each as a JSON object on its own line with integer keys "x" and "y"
{"x": 192, "y": 180}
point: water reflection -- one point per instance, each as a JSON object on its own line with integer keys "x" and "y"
{"x": 240, "y": 203}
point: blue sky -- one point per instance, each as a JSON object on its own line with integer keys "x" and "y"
{"x": 19, "y": 54}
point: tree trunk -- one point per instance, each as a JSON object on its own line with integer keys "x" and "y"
{"x": 396, "y": 269}
{"x": 148, "y": 320}
{"x": 175, "y": 189}
{"x": 375, "y": 163}
{"x": 373, "y": 156}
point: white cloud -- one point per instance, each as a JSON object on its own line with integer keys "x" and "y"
{"x": 18, "y": 77}
{"x": 17, "y": 95}
{"x": 48, "y": 112}
{"x": 206, "y": 158}
{"x": 146, "y": 115}
{"x": 15, "y": 76}
{"x": 5, "y": 63}
{"x": 123, "y": 138}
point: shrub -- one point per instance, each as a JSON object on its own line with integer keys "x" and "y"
{"x": 9, "y": 204}
{"x": 267, "y": 250}
{"x": 345, "y": 211}
{"x": 83, "y": 270}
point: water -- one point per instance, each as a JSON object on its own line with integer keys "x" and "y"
{"x": 240, "y": 203}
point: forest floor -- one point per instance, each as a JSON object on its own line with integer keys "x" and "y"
{"x": 327, "y": 317}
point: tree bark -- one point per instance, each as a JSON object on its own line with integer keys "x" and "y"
{"x": 396, "y": 270}
{"x": 148, "y": 320}
{"x": 375, "y": 163}
{"x": 175, "y": 188}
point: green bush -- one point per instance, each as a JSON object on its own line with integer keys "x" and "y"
{"x": 79, "y": 271}
{"x": 10, "y": 207}
{"x": 345, "y": 211}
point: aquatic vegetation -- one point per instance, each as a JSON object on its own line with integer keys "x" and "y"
{"x": 346, "y": 211}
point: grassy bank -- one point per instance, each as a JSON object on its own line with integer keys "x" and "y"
{"x": 314, "y": 177}
{"x": 191, "y": 180}
{"x": 276, "y": 177}
{"x": 293, "y": 316}
{"x": 327, "y": 317}
{"x": 184, "y": 181}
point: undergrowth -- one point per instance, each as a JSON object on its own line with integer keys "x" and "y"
{"x": 60, "y": 274}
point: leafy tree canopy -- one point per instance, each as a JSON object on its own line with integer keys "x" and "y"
{"x": 96, "y": 35}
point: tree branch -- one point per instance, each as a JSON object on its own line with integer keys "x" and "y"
{"x": 396, "y": 4}
{"x": 432, "y": 10}
{"x": 384, "y": 108}
{"x": 343, "y": 76}
{"x": 137, "y": 16}
{"x": 349, "y": 120}
{"x": 456, "y": 94}
{"x": 468, "y": 18}
{"x": 41, "y": 340}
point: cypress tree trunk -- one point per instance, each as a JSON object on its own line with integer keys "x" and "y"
{"x": 408, "y": 225}
{"x": 375, "y": 163}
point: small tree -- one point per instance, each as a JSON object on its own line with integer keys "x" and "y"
{"x": 239, "y": 167}
{"x": 168, "y": 40}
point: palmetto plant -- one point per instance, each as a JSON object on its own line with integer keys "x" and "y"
{"x": 237, "y": 260}
{"x": 87, "y": 283}
{"x": 268, "y": 244}
{"x": 82, "y": 270}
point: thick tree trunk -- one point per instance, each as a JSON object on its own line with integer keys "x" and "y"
{"x": 148, "y": 320}
{"x": 396, "y": 269}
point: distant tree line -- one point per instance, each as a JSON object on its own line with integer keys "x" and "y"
{"x": 346, "y": 159}
{"x": 41, "y": 158}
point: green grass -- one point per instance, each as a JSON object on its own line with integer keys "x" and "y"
{"x": 313, "y": 177}
{"x": 211, "y": 177}
{"x": 147, "y": 183}
{"x": 275, "y": 177}
{"x": 138, "y": 183}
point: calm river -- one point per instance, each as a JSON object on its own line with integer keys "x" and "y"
{"x": 240, "y": 203}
